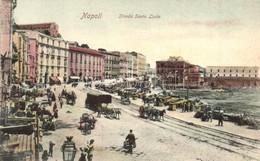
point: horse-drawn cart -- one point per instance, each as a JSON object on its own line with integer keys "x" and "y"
{"x": 95, "y": 99}
{"x": 87, "y": 123}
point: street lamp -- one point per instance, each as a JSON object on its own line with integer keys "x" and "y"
{"x": 68, "y": 149}
{"x": 175, "y": 78}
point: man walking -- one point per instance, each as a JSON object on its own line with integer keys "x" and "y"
{"x": 131, "y": 140}
{"x": 51, "y": 145}
{"x": 61, "y": 103}
{"x": 220, "y": 119}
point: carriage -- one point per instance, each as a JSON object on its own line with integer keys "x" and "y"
{"x": 125, "y": 101}
{"x": 71, "y": 98}
{"x": 87, "y": 123}
{"x": 95, "y": 99}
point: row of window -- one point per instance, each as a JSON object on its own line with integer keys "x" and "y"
{"x": 85, "y": 62}
{"x": 47, "y": 56}
{"x": 86, "y": 70}
{"x": 42, "y": 39}
{"x": 243, "y": 71}
{"x": 230, "y": 75}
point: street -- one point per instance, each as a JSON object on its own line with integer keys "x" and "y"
{"x": 170, "y": 140}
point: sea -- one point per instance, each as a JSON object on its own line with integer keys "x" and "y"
{"x": 237, "y": 100}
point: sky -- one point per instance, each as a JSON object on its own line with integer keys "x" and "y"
{"x": 203, "y": 32}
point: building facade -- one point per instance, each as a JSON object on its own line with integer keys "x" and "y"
{"x": 51, "y": 54}
{"x": 141, "y": 64}
{"x": 111, "y": 64}
{"x": 6, "y": 30}
{"x": 232, "y": 71}
{"x": 21, "y": 67}
{"x": 85, "y": 62}
{"x": 175, "y": 72}
{"x": 232, "y": 76}
{"x": 123, "y": 65}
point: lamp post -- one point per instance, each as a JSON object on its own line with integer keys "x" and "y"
{"x": 68, "y": 149}
{"x": 46, "y": 78}
{"x": 175, "y": 78}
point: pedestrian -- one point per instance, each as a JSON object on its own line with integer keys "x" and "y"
{"x": 83, "y": 154}
{"x": 45, "y": 155}
{"x": 55, "y": 112}
{"x": 61, "y": 103}
{"x": 53, "y": 97}
{"x": 220, "y": 119}
{"x": 51, "y": 145}
{"x": 210, "y": 116}
{"x": 131, "y": 140}
{"x": 90, "y": 150}
{"x": 99, "y": 110}
{"x": 59, "y": 96}
{"x": 54, "y": 106}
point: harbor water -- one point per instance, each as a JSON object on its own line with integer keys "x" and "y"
{"x": 236, "y": 101}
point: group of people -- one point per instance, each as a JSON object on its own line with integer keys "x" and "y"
{"x": 46, "y": 154}
{"x": 87, "y": 151}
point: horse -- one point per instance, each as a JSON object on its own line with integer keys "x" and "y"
{"x": 154, "y": 114}
{"x": 157, "y": 114}
{"x": 116, "y": 112}
{"x": 161, "y": 114}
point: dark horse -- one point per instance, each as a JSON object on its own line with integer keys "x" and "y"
{"x": 158, "y": 114}
{"x": 161, "y": 114}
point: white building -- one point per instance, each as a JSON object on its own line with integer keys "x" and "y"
{"x": 232, "y": 71}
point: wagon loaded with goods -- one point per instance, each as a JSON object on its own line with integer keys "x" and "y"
{"x": 95, "y": 99}
{"x": 87, "y": 123}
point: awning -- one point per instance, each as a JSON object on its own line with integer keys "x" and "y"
{"x": 74, "y": 77}
{"x": 180, "y": 102}
{"x": 25, "y": 85}
{"x": 130, "y": 79}
{"x": 87, "y": 78}
{"x": 23, "y": 129}
{"x": 60, "y": 79}
{"x": 55, "y": 79}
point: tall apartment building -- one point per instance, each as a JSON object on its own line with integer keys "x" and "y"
{"x": 111, "y": 64}
{"x": 123, "y": 65}
{"x": 6, "y": 29}
{"x": 141, "y": 64}
{"x": 129, "y": 64}
{"x": 51, "y": 54}
{"x": 21, "y": 67}
{"x": 85, "y": 62}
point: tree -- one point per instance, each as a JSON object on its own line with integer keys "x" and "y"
{"x": 47, "y": 32}
{"x": 59, "y": 35}
{"x": 102, "y": 50}
{"x": 84, "y": 46}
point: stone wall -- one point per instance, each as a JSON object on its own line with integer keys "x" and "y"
{"x": 225, "y": 82}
